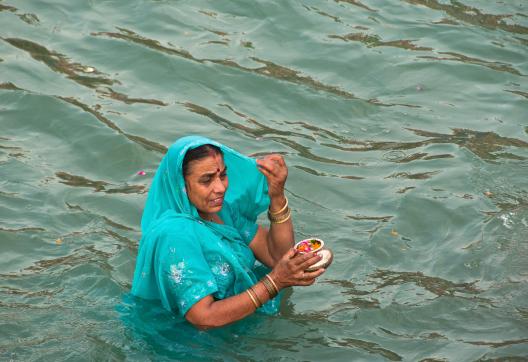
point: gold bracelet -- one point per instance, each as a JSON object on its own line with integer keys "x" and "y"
{"x": 256, "y": 295}
{"x": 281, "y": 220}
{"x": 273, "y": 283}
{"x": 252, "y": 298}
{"x": 269, "y": 287}
{"x": 278, "y": 217}
{"x": 275, "y": 213}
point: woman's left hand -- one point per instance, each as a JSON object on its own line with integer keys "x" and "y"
{"x": 276, "y": 172}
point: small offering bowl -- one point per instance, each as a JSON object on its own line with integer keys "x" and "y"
{"x": 316, "y": 246}
{"x": 309, "y": 245}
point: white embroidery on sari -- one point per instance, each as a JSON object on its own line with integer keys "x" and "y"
{"x": 176, "y": 272}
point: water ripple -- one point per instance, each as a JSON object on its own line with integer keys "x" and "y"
{"x": 61, "y": 64}
{"x": 472, "y": 15}
{"x": 486, "y": 145}
{"x": 99, "y": 186}
{"x": 499, "y": 66}
{"x": 75, "y": 71}
{"x": 435, "y": 285}
{"x": 370, "y": 347}
{"x": 269, "y": 69}
{"x": 414, "y": 176}
{"x": 356, "y": 3}
{"x": 28, "y": 18}
{"x": 149, "y": 145}
{"x": 285, "y": 138}
{"x": 372, "y": 41}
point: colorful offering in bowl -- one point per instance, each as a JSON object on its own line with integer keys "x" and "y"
{"x": 315, "y": 245}
{"x": 309, "y": 245}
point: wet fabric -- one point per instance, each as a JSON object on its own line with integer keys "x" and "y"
{"x": 183, "y": 258}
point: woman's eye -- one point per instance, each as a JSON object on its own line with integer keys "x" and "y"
{"x": 223, "y": 175}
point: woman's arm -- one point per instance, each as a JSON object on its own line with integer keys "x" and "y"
{"x": 270, "y": 245}
{"x": 289, "y": 271}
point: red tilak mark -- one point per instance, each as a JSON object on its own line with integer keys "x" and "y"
{"x": 217, "y": 170}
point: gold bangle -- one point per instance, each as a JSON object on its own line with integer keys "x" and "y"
{"x": 256, "y": 295}
{"x": 273, "y": 283}
{"x": 279, "y": 217}
{"x": 282, "y": 220}
{"x": 252, "y": 298}
{"x": 275, "y": 213}
{"x": 269, "y": 287}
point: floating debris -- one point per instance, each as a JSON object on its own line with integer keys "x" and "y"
{"x": 141, "y": 173}
{"x": 394, "y": 233}
{"x": 488, "y": 193}
{"x": 58, "y": 241}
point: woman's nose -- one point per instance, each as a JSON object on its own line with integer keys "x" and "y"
{"x": 219, "y": 186}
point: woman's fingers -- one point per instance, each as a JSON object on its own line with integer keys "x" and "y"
{"x": 266, "y": 168}
{"x": 265, "y": 171}
{"x": 308, "y": 278}
{"x": 303, "y": 261}
{"x": 290, "y": 254}
{"x": 273, "y": 164}
{"x": 314, "y": 274}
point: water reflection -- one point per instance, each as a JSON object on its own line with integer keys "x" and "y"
{"x": 268, "y": 68}
{"x": 472, "y": 15}
{"x": 322, "y": 13}
{"x": 499, "y": 66}
{"x": 110, "y": 93}
{"x": 61, "y": 64}
{"x": 286, "y": 137}
{"x": 99, "y": 186}
{"x": 369, "y": 347}
{"x": 356, "y": 3}
{"x": 147, "y": 144}
{"x": 28, "y": 18}
{"x": 521, "y": 93}
{"x": 485, "y": 145}
{"x": 414, "y": 176}
{"x": 372, "y": 41}
{"x": 86, "y": 76}
{"x": 435, "y": 285}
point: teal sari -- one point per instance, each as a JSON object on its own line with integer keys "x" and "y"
{"x": 183, "y": 258}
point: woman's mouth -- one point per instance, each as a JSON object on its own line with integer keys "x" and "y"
{"x": 217, "y": 202}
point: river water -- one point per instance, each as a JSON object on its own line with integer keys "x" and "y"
{"x": 404, "y": 125}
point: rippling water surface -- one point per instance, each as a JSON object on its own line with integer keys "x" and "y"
{"x": 404, "y": 125}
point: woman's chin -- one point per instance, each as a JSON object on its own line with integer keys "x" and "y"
{"x": 213, "y": 209}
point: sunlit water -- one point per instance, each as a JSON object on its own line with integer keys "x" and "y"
{"x": 404, "y": 125}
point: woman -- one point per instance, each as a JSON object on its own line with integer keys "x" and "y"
{"x": 200, "y": 241}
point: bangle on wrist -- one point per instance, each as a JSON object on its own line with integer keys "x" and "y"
{"x": 252, "y": 298}
{"x": 269, "y": 287}
{"x": 275, "y": 213}
{"x": 279, "y": 219}
{"x": 268, "y": 277}
{"x": 256, "y": 296}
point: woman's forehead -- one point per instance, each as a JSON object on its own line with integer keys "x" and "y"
{"x": 209, "y": 164}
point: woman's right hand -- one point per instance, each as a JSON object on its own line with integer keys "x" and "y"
{"x": 290, "y": 269}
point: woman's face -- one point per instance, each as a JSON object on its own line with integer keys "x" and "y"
{"x": 206, "y": 183}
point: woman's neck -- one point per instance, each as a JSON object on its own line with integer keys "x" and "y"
{"x": 211, "y": 217}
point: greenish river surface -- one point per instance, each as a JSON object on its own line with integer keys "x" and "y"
{"x": 404, "y": 125}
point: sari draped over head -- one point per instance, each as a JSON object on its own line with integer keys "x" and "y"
{"x": 182, "y": 258}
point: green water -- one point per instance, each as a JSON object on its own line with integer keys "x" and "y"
{"x": 404, "y": 125}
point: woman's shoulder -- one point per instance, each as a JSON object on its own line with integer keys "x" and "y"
{"x": 173, "y": 225}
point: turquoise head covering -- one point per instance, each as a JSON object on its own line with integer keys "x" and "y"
{"x": 183, "y": 258}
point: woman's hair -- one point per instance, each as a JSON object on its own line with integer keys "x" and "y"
{"x": 197, "y": 154}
